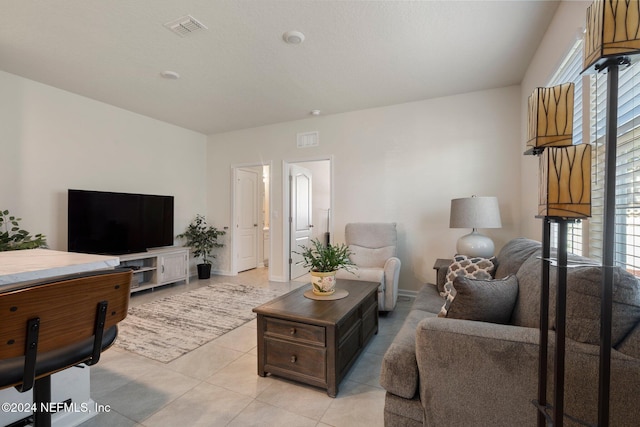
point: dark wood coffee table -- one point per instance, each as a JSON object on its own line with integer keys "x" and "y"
{"x": 316, "y": 342}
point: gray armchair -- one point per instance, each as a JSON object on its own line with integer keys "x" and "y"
{"x": 374, "y": 248}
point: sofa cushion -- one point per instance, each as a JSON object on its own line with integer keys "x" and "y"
{"x": 583, "y": 304}
{"x": 399, "y": 372}
{"x": 371, "y": 257}
{"x": 464, "y": 266}
{"x": 427, "y": 299}
{"x": 583, "y": 300}
{"x": 484, "y": 300}
{"x": 513, "y": 255}
{"x": 630, "y": 345}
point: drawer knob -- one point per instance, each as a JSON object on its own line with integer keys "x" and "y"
{"x": 293, "y": 359}
{"x": 293, "y": 331}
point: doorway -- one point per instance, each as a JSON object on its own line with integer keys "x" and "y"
{"x": 308, "y": 208}
{"x": 251, "y": 237}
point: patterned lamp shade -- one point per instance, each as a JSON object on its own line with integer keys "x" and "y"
{"x": 550, "y": 117}
{"x": 565, "y": 182}
{"x": 613, "y": 29}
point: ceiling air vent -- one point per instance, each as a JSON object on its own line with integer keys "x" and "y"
{"x": 185, "y": 25}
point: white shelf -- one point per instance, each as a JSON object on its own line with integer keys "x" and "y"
{"x": 157, "y": 267}
{"x": 139, "y": 270}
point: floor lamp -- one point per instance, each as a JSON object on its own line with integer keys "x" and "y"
{"x": 564, "y": 196}
{"x": 611, "y": 35}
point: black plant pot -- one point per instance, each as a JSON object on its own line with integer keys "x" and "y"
{"x": 204, "y": 271}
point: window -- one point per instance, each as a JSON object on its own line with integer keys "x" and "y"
{"x": 589, "y": 126}
{"x": 627, "y": 213}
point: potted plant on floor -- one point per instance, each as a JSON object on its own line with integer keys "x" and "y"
{"x": 12, "y": 237}
{"x": 323, "y": 261}
{"x": 202, "y": 239}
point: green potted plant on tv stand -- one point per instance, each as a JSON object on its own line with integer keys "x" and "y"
{"x": 202, "y": 239}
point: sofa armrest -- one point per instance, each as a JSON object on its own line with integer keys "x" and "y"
{"x": 391, "y": 278}
{"x": 475, "y": 373}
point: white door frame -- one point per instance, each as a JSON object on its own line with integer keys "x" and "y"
{"x": 232, "y": 240}
{"x": 286, "y": 206}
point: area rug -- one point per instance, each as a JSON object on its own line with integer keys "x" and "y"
{"x": 172, "y": 326}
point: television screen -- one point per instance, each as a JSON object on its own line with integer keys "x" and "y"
{"x": 102, "y": 222}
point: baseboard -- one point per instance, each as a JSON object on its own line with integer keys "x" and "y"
{"x": 193, "y": 277}
{"x": 222, "y": 273}
{"x": 406, "y": 293}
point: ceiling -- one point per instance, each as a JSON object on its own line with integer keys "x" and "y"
{"x": 239, "y": 73}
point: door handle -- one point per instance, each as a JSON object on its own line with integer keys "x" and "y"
{"x": 255, "y": 225}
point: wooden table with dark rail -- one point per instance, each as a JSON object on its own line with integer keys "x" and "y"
{"x": 316, "y": 342}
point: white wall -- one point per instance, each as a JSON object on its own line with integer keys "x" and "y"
{"x": 402, "y": 163}
{"x": 567, "y": 25}
{"x": 52, "y": 140}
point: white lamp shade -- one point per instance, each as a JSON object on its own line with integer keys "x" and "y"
{"x": 475, "y": 212}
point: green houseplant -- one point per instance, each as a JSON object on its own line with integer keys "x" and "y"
{"x": 323, "y": 261}
{"x": 202, "y": 239}
{"x": 12, "y": 237}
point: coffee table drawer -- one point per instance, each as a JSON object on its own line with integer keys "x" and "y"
{"x": 301, "y": 359}
{"x": 300, "y": 332}
{"x": 370, "y": 321}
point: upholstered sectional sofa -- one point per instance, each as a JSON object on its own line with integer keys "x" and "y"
{"x": 453, "y": 372}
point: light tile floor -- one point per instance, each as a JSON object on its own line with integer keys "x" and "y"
{"x": 217, "y": 384}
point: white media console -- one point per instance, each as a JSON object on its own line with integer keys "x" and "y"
{"x": 157, "y": 267}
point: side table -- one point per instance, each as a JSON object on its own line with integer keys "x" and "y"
{"x": 441, "y": 266}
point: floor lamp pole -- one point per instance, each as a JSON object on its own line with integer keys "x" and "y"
{"x": 612, "y": 66}
{"x": 544, "y": 323}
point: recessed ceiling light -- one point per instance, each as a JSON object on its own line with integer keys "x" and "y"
{"x": 315, "y": 112}
{"x": 293, "y": 37}
{"x": 171, "y": 75}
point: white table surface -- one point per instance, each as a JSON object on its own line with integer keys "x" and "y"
{"x": 32, "y": 264}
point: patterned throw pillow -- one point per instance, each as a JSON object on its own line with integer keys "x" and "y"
{"x": 463, "y": 266}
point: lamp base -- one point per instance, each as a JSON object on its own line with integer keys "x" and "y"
{"x": 475, "y": 244}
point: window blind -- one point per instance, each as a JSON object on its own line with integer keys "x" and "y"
{"x": 627, "y": 198}
{"x": 589, "y": 126}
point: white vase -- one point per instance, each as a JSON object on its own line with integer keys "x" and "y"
{"x": 323, "y": 284}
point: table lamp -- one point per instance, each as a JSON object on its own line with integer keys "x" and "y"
{"x": 475, "y": 212}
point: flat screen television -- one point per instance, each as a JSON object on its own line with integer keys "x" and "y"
{"x": 101, "y": 222}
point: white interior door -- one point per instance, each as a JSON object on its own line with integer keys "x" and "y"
{"x": 246, "y": 219}
{"x": 301, "y": 221}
